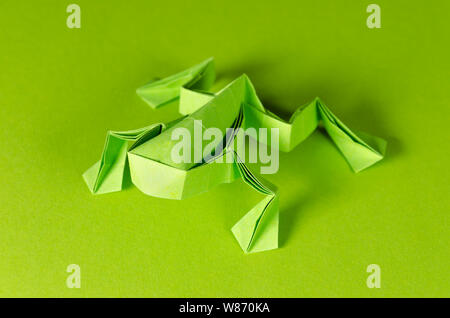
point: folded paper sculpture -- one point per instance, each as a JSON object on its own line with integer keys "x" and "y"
{"x": 145, "y": 153}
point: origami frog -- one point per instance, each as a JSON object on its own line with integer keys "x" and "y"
{"x": 145, "y": 153}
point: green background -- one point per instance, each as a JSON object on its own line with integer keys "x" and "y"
{"x": 61, "y": 89}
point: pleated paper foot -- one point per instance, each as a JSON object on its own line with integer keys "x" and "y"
{"x": 111, "y": 182}
{"x": 257, "y": 231}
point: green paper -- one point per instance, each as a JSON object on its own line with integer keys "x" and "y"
{"x": 146, "y": 152}
{"x": 62, "y": 89}
{"x": 161, "y": 92}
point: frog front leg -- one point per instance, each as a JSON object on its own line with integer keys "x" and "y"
{"x": 107, "y": 174}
